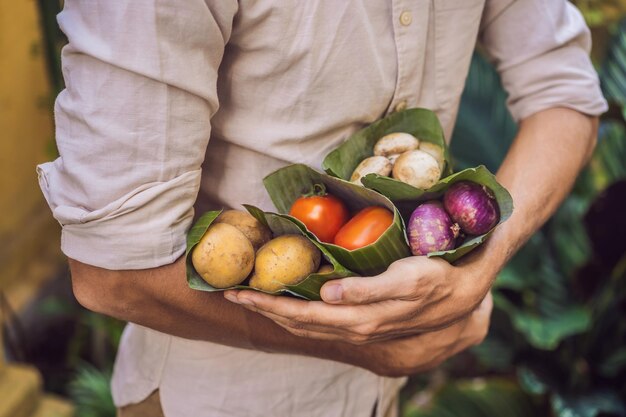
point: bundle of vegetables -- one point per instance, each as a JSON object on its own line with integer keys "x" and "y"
{"x": 353, "y": 218}
{"x": 447, "y": 214}
{"x": 467, "y": 208}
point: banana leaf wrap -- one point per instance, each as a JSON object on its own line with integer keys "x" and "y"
{"x": 308, "y": 289}
{"x": 407, "y": 198}
{"x": 288, "y": 184}
{"x": 421, "y": 123}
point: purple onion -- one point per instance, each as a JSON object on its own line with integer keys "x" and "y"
{"x": 472, "y": 206}
{"x": 430, "y": 229}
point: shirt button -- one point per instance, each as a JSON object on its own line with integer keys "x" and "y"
{"x": 401, "y": 105}
{"x": 406, "y": 18}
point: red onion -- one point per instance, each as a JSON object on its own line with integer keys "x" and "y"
{"x": 430, "y": 229}
{"x": 472, "y": 206}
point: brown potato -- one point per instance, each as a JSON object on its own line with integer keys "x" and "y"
{"x": 224, "y": 256}
{"x": 325, "y": 269}
{"x": 254, "y": 230}
{"x": 285, "y": 260}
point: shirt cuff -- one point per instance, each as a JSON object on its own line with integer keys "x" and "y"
{"x": 146, "y": 228}
{"x": 563, "y": 77}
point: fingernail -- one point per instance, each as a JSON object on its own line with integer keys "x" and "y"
{"x": 231, "y": 297}
{"x": 245, "y": 301}
{"x": 332, "y": 293}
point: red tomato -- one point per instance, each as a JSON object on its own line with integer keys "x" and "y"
{"x": 364, "y": 228}
{"x": 322, "y": 215}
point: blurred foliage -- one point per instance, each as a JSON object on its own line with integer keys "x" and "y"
{"x": 559, "y": 322}
{"x": 91, "y": 393}
{"x": 54, "y": 40}
{"x": 477, "y": 397}
{"x": 599, "y": 13}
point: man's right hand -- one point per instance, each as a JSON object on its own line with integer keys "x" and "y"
{"x": 415, "y": 354}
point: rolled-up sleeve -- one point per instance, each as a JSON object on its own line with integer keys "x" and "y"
{"x": 132, "y": 126}
{"x": 541, "y": 50}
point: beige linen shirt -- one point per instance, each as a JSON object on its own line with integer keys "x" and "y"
{"x": 153, "y": 85}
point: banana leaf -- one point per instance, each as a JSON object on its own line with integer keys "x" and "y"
{"x": 421, "y": 123}
{"x": 288, "y": 184}
{"x": 308, "y": 289}
{"x": 480, "y": 397}
{"x": 613, "y": 71}
{"x": 407, "y": 198}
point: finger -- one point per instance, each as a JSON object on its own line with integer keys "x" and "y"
{"x": 314, "y": 331}
{"x": 304, "y": 312}
{"x": 297, "y": 327}
{"x": 407, "y": 279}
{"x": 353, "y": 324}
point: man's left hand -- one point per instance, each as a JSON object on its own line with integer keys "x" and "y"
{"x": 414, "y": 295}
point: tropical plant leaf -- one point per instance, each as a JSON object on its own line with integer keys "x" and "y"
{"x": 568, "y": 236}
{"x": 613, "y": 71}
{"x": 568, "y": 403}
{"x": 607, "y": 163}
{"x": 494, "y": 397}
{"x": 495, "y": 353}
{"x": 289, "y": 183}
{"x": 484, "y": 128}
{"x": 614, "y": 364}
{"x": 531, "y": 382}
{"x": 407, "y": 198}
{"x": 590, "y": 404}
{"x": 91, "y": 392}
{"x": 421, "y": 123}
{"x": 308, "y": 289}
{"x": 547, "y": 332}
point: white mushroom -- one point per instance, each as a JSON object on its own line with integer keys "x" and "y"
{"x": 417, "y": 168}
{"x": 435, "y": 151}
{"x": 372, "y": 165}
{"x": 395, "y": 143}
{"x": 393, "y": 158}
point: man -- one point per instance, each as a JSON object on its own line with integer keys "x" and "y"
{"x": 269, "y": 83}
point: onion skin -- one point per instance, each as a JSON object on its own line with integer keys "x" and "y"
{"x": 430, "y": 229}
{"x": 472, "y": 206}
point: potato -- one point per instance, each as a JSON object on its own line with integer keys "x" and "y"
{"x": 325, "y": 269}
{"x": 224, "y": 256}
{"x": 254, "y": 230}
{"x": 417, "y": 168}
{"x": 285, "y": 260}
{"x": 372, "y": 165}
{"x": 395, "y": 143}
{"x": 435, "y": 151}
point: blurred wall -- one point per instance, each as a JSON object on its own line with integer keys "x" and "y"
{"x": 29, "y": 236}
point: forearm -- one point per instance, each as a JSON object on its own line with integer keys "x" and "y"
{"x": 160, "y": 299}
{"x": 539, "y": 170}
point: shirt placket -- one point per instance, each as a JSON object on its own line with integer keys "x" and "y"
{"x": 410, "y": 27}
